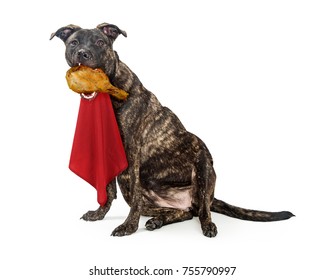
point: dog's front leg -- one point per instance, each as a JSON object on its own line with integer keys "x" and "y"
{"x": 131, "y": 223}
{"x": 100, "y": 213}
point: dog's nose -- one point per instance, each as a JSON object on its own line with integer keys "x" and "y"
{"x": 84, "y": 55}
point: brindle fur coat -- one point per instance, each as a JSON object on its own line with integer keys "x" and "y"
{"x": 170, "y": 176}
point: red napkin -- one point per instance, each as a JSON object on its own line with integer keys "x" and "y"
{"x": 97, "y": 154}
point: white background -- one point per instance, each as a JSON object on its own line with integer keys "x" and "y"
{"x": 245, "y": 76}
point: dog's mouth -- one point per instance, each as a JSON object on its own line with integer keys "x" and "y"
{"x": 83, "y": 64}
{"x": 76, "y": 60}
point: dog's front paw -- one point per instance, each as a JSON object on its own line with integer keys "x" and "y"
{"x": 124, "y": 229}
{"x": 209, "y": 230}
{"x": 154, "y": 223}
{"x": 96, "y": 215}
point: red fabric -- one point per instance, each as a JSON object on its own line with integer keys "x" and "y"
{"x": 97, "y": 154}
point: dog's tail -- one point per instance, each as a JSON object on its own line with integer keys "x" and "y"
{"x": 222, "y": 207}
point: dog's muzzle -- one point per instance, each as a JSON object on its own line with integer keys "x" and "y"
{"x": 84, "y": 56}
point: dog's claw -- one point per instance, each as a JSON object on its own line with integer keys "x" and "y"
{"x": 210, "y": 230}
{"x": 124, "y": 229}
{"x": 153, "y": 224}
{"x": 96, "y": 215}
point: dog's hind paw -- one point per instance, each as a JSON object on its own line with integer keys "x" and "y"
{"x": 124, "y": 229}
{"x": 209, "y": 230}
{"x": 154, "y": 223}
{"x": 96, "y": 215}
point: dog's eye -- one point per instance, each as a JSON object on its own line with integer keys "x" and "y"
{"x": 74, "y": 43}
{"x": 100, "y": 43}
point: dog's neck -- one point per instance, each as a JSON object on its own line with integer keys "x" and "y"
{"x": 123, "y": 78}
{"x": 143, "y": 101}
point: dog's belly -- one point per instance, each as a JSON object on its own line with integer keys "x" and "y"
{"x": 172, "y": 198}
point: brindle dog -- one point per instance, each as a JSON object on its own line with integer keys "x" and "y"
{"x": 170, "y": 176}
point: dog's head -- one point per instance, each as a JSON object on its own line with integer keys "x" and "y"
{"x": 89, "y": 47}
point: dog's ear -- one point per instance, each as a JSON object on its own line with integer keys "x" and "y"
{"x": 111, "y": 30}
{"x": 65, "y": 32}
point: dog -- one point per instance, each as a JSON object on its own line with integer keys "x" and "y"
{"x": 170, "y": 176}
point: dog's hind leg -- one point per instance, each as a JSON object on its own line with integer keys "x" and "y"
{"x": 165, "y": 216}
{"x": 100, "y": 213}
